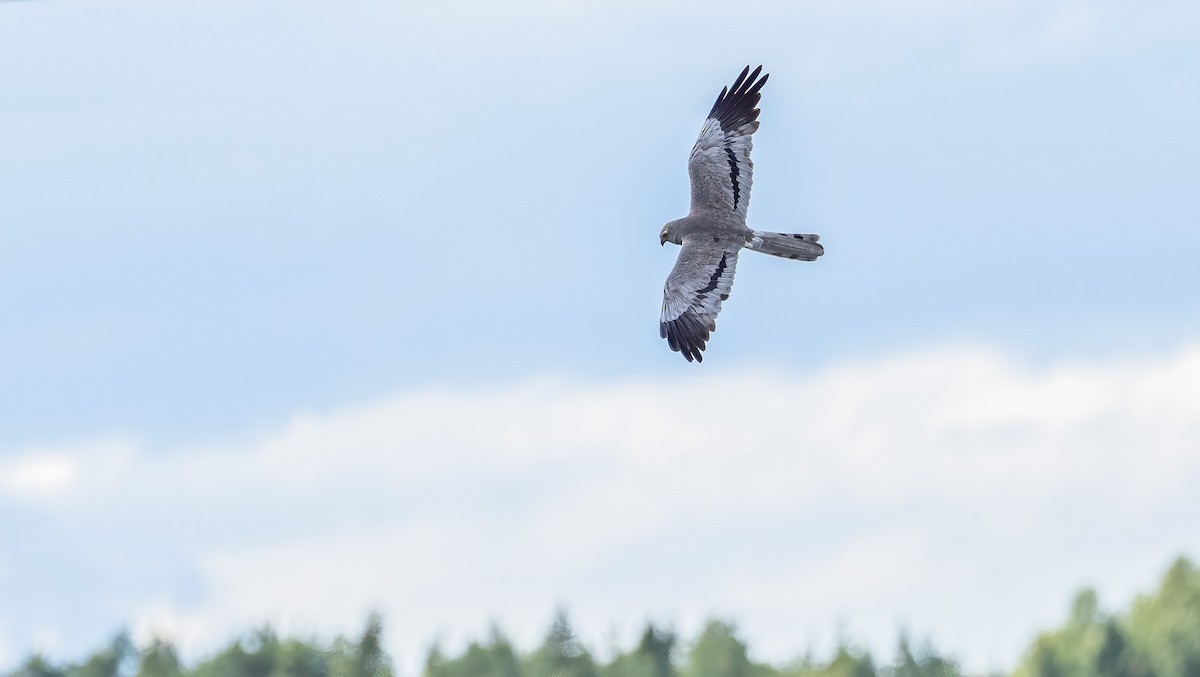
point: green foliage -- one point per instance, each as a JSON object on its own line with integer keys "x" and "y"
{"x": 159, "y": 660}
{"x": 1158, "y": 637}
{"x": 496, "y": 658}
{"x": 653, "y": 656}
{"x": 38, "y": 666}
{"x": 924, "y": 662}
{"x": 561, "y": 654}
{"x": 1164, "y": 628}
{"x": 366, "y": 658}
{"x": 1091, "y": 643}
{"x": 849, "y": 663}
{"x": 112, "y": 661}
{"x": 718, "y": 653}
{"x": 263, "y": 654}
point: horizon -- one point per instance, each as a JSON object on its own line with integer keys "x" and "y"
{"x": 1067, "y": 645}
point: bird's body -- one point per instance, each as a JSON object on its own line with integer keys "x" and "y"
{"x": 715, "y": 230}
{"x": 710, "y": 222}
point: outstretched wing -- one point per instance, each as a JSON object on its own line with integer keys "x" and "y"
{"x": 699, "y": 282}
{"x": 720, "y": 166}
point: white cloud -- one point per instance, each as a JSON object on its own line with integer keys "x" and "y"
{"x": 38, "y": 475}
{"x": 916, "y": 489}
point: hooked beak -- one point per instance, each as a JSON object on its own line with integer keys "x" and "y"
{"x": 662, "y": 239}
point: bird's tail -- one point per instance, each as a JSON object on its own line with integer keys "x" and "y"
{"x": 787, "y": 245}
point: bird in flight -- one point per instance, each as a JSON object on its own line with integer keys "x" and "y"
{"x": 715, "y": 230}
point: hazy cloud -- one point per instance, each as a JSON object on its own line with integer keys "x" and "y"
{"x": 37, "y": 476}
{"x": 910, "y": 489}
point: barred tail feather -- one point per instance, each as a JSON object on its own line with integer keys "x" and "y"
{"x": 788, "y": 245}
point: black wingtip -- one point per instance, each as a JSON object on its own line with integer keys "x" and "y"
{"x": 735, "y": 106}
{"x": 687, "y": 334}
{"x": 741, "y": 79}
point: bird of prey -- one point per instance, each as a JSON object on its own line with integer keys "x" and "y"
{"x": 715, "y": 230}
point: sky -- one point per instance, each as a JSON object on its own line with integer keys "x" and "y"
{"x": 310, "y": 309}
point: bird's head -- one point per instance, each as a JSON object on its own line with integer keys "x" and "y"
{"x": 669, "y": 234}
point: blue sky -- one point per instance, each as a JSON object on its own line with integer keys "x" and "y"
{"x": 218, "y": 222}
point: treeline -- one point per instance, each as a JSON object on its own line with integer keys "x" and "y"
{"x": 1158, "y": 636}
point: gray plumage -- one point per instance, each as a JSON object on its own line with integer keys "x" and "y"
{"x": 715, "y": 230}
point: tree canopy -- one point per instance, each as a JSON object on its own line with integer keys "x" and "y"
{"x": 1158, "y": 636}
